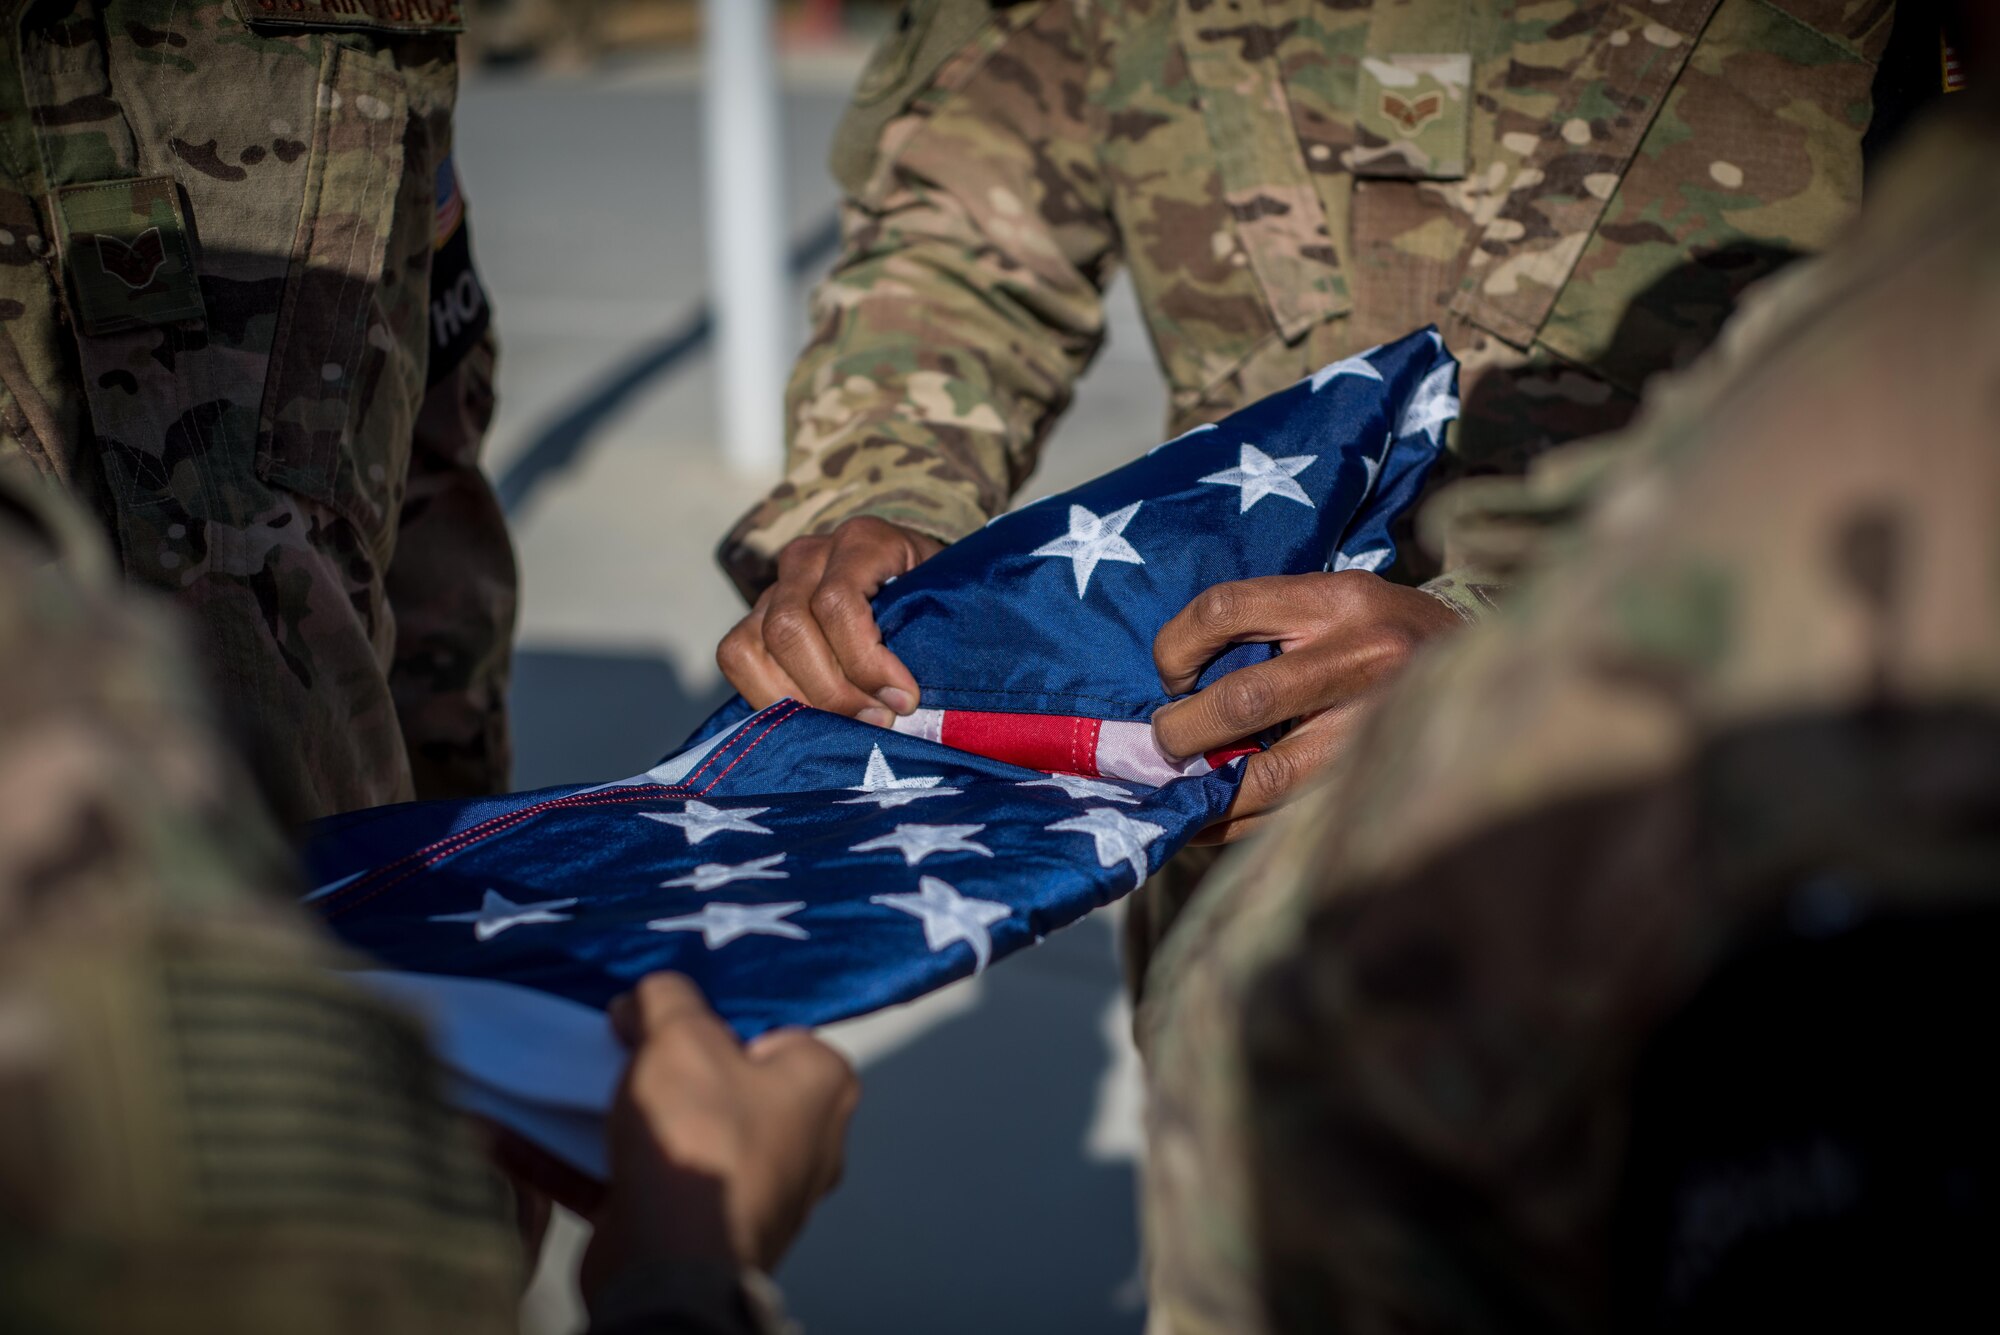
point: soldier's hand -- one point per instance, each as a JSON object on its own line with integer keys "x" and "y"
{"x": 719, "y": 1150}
{"x": 812, "y": 636}
{"x": 1343, "y": 635}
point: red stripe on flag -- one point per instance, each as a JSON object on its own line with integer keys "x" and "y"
{"x": 1217, "y": 759}
{"x": 1053, "y": 742}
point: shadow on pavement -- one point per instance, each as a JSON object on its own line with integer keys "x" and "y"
{"x": 582, "y": 717}
{"x": 968, "y": 1205}
{"x": 565, "y": 438}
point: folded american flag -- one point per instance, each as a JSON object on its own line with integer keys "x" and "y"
{"x": 805, "y": 868}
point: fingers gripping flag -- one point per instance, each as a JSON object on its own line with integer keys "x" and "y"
{"x": 805, "y": 868}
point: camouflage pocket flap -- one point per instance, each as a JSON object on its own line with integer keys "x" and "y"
{"x": 889, "y": 66}
{"x": 1414, "y": 113}
{"x": 409, "y": 16}
{"x": 125, "y": 249}
{"x": 1277, "y": 213}
{"x": 925, "y": 36}
{"x": 1861, "y": 26}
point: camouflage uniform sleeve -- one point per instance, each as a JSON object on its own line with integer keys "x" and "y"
{"x": 201, "y": 1127}
{"x": 967, "y": 296}
{"x": 454, "y": 587}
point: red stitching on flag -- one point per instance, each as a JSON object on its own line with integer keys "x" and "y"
{"x": 725, "y": 750}
{"x": 651, "y": 793}
{"x": 431, "y": 854}
{"x": 1084, "y": 757}
{"x": 796, "y": 707}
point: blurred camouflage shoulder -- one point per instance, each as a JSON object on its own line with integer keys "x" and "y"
{"x": 201, "y": 1127}
{"x": 1755, "y": 675}
{"x": 100, "y": 696}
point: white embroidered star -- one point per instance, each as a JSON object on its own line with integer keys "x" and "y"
{"x": 1091, "y": 539}
{"x": 1358, "y": 366}
{"x": 1432, "y": 406}
{"x": 1081, "y": 788}
{"x": 1371, "y": 466}
{"x": 715, "y": 875}
{"x": 1368, "y": 560}
{"x": 1119, "y": 837}
{"x": 948, "y": 916}
{"x": 1258, "y": 475}
{"x": 881, "y": 786}
{"x": 496, "y": 913}
{"x": 917, "y": 842}
{"x": 699, "y": 820}
{"x": 719, "y": 924}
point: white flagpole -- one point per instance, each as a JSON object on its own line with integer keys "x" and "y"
{"x": 746, "y": 231}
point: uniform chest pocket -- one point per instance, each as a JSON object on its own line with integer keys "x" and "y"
{"x": 348, "y": 339}
{"x": 1279, "y": 220}
{"x": 1860, "y": 28}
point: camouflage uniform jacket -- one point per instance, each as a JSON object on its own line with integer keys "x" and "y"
{"x": 231, "y": 328}
{"x": 1392, "y": 1051}
{"x": 1574, "y": 191}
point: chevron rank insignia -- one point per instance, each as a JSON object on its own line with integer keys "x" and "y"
{"x": 1414, "y": 114}
{"x": 125, "y": 250}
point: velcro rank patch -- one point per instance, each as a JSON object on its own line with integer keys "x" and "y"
{"x": 125, "y": 249}
{"x": 413, "y": 16}
{"x": 1414, "y": 113}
